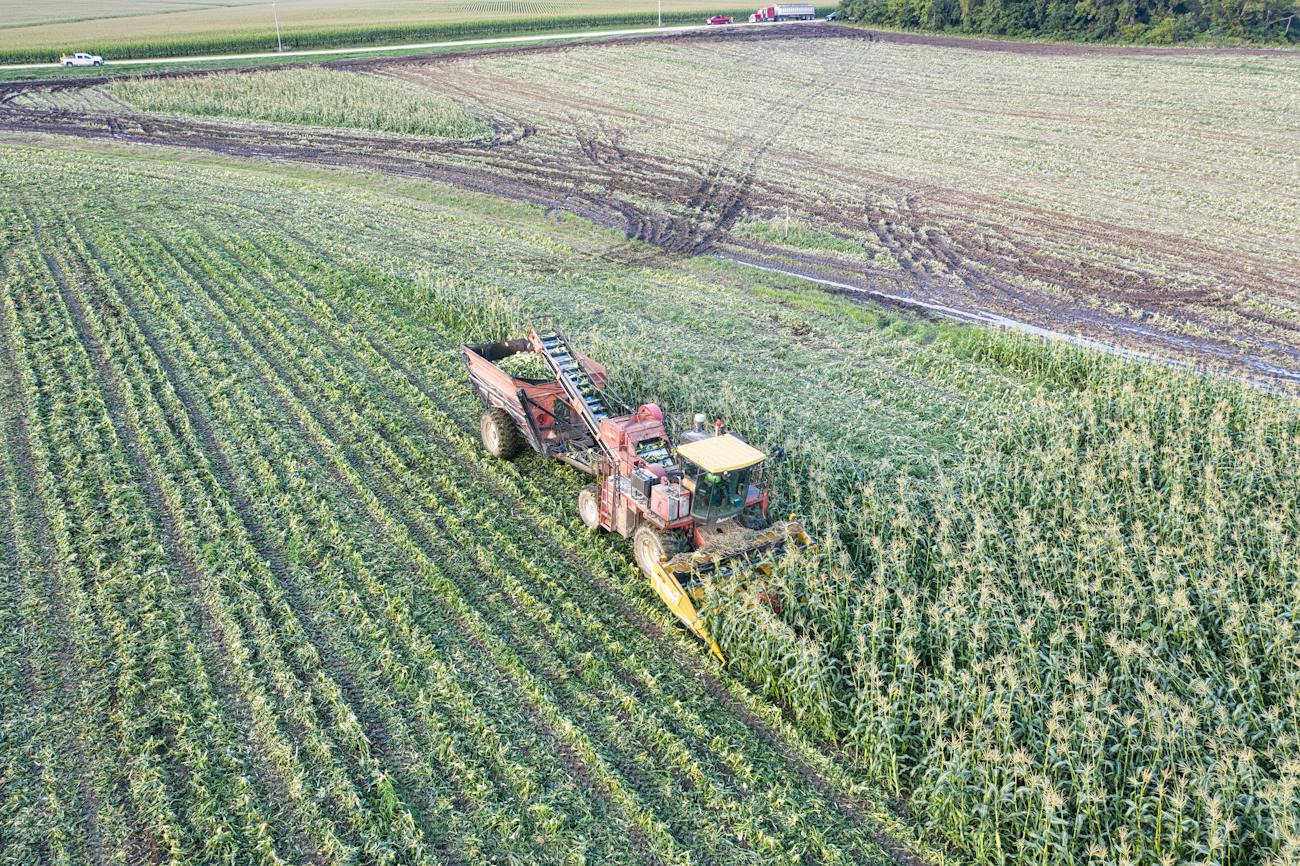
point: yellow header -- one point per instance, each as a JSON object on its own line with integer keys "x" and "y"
{"x": 721, "y": 453}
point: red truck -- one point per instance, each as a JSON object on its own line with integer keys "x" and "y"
{"x": 719, "y": 19}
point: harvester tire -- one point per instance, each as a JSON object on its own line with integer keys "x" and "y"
{"x": 649, "y": 545}
{"x": 754, "y": 518}
{"x": 589, "y": 506}
{"x": 500, "y": 437}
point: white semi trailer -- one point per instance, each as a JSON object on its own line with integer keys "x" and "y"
{"x": 785, "y": 12}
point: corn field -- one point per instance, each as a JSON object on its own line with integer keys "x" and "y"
{"x": 265, "y": 600}
{"x": 310, "y": 96}
{"x": 1078, "y": 647}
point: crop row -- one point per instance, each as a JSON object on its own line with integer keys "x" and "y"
{"x": 109, "y": 598}
{"x": 1079, "y": 644}
{"x": 307, "y": 95}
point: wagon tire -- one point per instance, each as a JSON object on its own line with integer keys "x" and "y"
{"x": 649, "y": 545}
{"x": 499, "y": 435}
{"x": 589, "y": 506}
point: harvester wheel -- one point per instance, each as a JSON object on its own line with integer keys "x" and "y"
{"x": 589, "y": 506}
{"x": 497, "y": 430}
{"x": 649, "y": 544}
{"x": 754, "y": 518}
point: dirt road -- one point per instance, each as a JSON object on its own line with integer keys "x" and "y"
{"x": 411, "y": 46}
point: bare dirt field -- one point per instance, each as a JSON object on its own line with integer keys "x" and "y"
{"x": 1148, "y": 200}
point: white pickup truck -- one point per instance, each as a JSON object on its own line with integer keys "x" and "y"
{"x": 81, "y": 58}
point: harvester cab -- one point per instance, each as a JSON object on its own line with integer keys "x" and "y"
{"x": 691, "y": 509}
{"x": 718, "y": 471}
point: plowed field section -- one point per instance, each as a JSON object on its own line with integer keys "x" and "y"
{"x": 1143, "y": 200}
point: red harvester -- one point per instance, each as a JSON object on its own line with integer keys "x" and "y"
{"x": 694, "y": 508}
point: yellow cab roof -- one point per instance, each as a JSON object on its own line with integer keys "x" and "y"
{"x": 721, "y": 453}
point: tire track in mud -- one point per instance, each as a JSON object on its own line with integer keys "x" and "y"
{"x": 720, "y": 198}
{"x": 990, "y": 264}
{"x": 719, "y": 194}
{"x": 943, "y": 254}
{"x": 1014, "y": 243}
{"x": 989, "y": 269}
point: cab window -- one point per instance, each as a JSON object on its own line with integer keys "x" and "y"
{"x": 718, "y": 496}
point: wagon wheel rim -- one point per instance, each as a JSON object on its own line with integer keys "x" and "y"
{"x": 587, "y": 509}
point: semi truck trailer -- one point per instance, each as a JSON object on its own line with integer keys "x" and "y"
{"x": 785, "y": 12}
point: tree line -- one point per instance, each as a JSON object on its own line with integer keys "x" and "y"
{"x": 1151, "y": 21}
